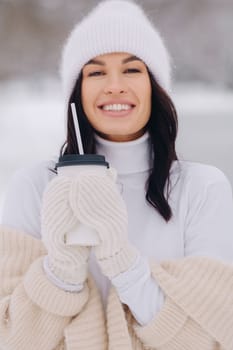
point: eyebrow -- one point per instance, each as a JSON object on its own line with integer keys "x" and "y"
{"x": 125, "y": 60}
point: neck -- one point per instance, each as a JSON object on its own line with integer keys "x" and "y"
{"x": 123, "y": 138}
{"x": 127, "y": 157}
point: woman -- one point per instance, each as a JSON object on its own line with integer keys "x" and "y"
{"x": 162, "y": 272}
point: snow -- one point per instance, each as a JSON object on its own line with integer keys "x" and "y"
{"x": 32, "y": 125}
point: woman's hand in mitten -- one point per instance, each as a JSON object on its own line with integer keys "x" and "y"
{"x": 97, "y": 203}
{"x": 67, "y": 263}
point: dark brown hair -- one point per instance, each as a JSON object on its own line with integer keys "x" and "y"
{"x": 162, "y": 127}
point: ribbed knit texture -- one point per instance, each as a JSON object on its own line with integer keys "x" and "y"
{"x": 68, "y": 263}
{"x": 35, "y": 315}
{"x": 114, "y": 26}
{"x": 96, "y": 201}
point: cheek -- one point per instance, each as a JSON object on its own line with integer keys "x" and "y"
{"x": 90, "y": 93}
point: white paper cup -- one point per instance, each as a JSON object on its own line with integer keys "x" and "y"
{"x": 73, "y": 166}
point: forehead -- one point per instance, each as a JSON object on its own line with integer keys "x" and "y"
{"x": 115, "y": 57}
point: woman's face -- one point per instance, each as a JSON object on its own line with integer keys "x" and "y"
{"x": 116, "y": 96}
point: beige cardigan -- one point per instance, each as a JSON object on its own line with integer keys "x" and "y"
{"x": 36, "y": 315}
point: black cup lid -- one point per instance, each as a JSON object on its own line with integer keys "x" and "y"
{"x": 81, "y": 159}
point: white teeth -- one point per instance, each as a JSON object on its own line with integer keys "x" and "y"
{"x": 117, "y": 107}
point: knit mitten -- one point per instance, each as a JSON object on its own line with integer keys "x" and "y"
{"x": 67, "y": 263}
{"x": 97, "y": 203}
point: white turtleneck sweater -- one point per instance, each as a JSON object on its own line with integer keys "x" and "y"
{"x": 202, "y": 222}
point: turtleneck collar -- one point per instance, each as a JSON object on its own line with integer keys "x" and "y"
{"x": 127, "y": 157}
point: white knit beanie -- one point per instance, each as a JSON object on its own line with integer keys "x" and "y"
{"x": 114, "y": 26}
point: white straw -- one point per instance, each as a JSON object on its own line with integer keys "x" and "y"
{"x": 77, "y": 129}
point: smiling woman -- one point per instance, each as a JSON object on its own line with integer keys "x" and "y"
{"x": 163, "y": 226}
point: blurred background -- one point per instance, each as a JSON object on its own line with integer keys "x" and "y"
{"x": 198, "y": 34}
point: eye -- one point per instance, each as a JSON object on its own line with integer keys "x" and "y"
{"x": 95, "y": 74}
{"x": 132, "y": 70}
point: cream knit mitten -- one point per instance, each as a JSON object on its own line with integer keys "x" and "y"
{"x": 97, "y": 203}
{"x": 68, "y": 263}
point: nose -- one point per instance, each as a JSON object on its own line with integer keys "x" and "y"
{"x": 115, "y": 85}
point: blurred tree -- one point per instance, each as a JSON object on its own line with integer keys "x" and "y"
{"x": 197, "y": 32}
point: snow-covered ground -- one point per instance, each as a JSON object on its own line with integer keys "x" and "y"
{"x": 32, "y": 125}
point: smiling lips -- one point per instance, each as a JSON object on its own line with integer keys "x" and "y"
{"x": 116, "y": 108}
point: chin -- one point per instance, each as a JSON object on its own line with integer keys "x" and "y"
{"x": 120, "y": 137}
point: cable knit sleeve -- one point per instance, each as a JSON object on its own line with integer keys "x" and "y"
{"x": 198, "y": 311}
{"x": 33, "y": 312}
